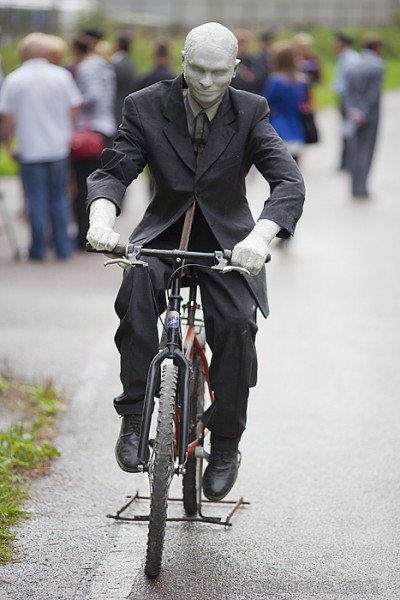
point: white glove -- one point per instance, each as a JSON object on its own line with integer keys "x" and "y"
{"x": 102, "y": 217}
{"x": 251, "y": 252}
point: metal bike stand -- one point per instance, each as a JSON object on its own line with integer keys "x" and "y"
{"x": 226, "y": 522}
{"x": 201, "y": 518}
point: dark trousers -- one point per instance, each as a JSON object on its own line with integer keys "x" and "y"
{"x": 230, "y": 322}
{"x": 362, "y": 146}
{"x": 345, "y": 156}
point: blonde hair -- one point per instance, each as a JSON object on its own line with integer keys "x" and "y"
{"x": 304, "y": 45}
{"x": 304, "y": 39}
{"x": 57, "y": 48}
{"x": 104, "y": 49}
{"x": 34, "y": 45}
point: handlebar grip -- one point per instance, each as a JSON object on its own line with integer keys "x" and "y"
{"x": 228, "y": 255}
{"x": 89, "y": 248}
{"x": 119, "y": 250}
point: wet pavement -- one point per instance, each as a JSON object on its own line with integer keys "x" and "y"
{"x": 320, "y": 455}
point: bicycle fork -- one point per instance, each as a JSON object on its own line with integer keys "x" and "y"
{"x": 171, "y": 351}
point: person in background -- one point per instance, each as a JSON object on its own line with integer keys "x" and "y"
{"x": 161, "y": 70}
{"x": 245, "y": 76}
{"x": 263, "y": 59}
{"x": 104, "y": 49}
{"x": 57, "y": 50}
{"x": 347, "y": 57}
{"x": 307, "y": 61}
{"x": 125, "y": 73}
{"x": 362, "y": 108}
{"x": 91, "y": 37}
{"x": 286, "y": 91}
{"x": 95, "y": 79}
{"x": 39, "y": 102}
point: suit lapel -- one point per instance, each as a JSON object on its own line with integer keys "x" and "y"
{"x": 221, "y": 134}
{"x": 176, "y": 129}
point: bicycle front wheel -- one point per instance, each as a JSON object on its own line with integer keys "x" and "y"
{"x": 191, "y": 479}
{"x": 161, "y": 470}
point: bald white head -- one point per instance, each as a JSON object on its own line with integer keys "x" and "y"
{"x": 209, "y": 62}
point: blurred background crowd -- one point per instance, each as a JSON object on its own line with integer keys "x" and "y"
{"x": 62, "y": 100}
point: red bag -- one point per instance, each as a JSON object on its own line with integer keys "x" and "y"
{"x": 86, "y": 144}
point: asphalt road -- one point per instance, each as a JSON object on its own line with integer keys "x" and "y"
{"x": 320, "y": 455}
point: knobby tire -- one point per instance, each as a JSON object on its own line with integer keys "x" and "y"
{"x": 162, "y": 470}
{"x": 191, "y": 479}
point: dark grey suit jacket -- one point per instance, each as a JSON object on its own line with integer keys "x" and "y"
{"x": 154, "y": 132}
{"x": 364, "y": 85}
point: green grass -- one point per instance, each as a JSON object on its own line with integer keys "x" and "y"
{"x": 25, "y": 452}
{"x": 8, "y": 166}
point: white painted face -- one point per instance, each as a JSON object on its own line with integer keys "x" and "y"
{"x": 209, "y": 63}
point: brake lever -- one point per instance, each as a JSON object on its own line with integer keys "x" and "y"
{"x": 118, "y": 261}
{"x": 230, "y": 268}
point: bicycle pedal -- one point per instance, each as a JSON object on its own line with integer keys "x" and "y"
{"x": 200, "y": 452}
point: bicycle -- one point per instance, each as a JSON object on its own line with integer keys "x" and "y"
{"x": 180, "y": 372}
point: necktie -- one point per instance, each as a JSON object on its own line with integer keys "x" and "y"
{"x": 201, "y": 128}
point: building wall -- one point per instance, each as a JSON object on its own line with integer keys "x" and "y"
{"x": 16, "y": 21}
{"x": 257, "y": 13}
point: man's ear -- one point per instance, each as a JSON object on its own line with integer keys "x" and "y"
{"x": 237, "y": 61}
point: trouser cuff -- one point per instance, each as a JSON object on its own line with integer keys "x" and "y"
{"x": 124, "y": 406}
{"x": 224, "y": 443}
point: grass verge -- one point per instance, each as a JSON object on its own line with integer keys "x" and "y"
{"x": 25, "y": 450}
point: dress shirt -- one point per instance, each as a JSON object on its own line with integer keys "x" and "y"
{"x": 193, "y": 108}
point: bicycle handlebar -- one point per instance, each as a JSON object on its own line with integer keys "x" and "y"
{"x": 127, "y": 249}
{"x": 221, "y": 258}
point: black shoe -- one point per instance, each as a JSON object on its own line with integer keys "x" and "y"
{"x": 127, "y": 445}
{"x": 221, "y": 473}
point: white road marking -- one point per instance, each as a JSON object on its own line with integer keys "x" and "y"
{"x": 116, "y": 574}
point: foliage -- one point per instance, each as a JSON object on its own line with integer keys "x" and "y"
{"x": 25, "y": 451}
{"x": 8, "y": 166}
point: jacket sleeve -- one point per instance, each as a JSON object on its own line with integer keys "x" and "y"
{"x": 123, "y": 163}
{"x": 276, "y": 165}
